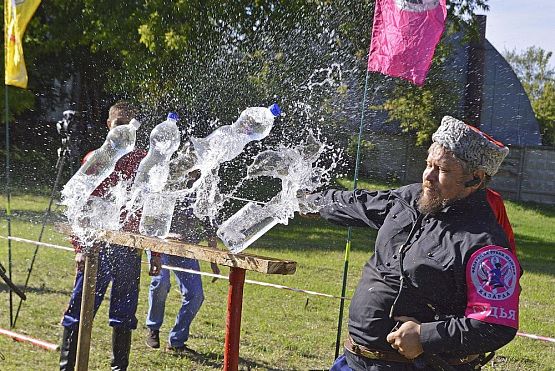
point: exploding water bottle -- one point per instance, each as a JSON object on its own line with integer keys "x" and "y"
{"x": 228, "y": 141}
{"x": 151, "y": 178}
{"x": 223, "y": 144}
{"x": 153, "y": 170}
{"x": 100, "y": 164}
{"x": 157, "y": 214}
{"x": 247, "y": 225}
{"x": 294, "y": 167}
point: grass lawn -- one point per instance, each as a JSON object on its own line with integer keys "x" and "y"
{"x": 281, "y": 330}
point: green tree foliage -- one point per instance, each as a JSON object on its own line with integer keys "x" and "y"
{"x": 537, "y": 77}
{"x": 212, "y": 58}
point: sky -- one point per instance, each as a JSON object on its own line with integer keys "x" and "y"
{"x": 519, "y": 24}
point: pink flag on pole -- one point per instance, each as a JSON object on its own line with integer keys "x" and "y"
{"x": 404, "y": 37}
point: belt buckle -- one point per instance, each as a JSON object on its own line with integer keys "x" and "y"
{"x": 368, "y": 353}
{"x": 464, "y": 359}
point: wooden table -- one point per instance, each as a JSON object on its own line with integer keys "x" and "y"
{"x": 238, "y": 263}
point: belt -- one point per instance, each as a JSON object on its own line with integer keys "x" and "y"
{"x": 387, "y": 356}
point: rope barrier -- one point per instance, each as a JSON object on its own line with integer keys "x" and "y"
{"x": 536, "y": 337}
{"x": 19, "y": 239}
{"x": 260, "y": 283}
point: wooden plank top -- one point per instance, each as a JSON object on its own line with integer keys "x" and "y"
{"x": 249, "y": 262}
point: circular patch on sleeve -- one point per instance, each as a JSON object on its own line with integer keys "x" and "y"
{"x": 494, "y": 273}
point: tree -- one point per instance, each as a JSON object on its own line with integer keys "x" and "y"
{"x": 211, "y": 58}
{"x": 537, "y": 77}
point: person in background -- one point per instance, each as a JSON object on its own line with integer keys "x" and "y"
{"x": 442, "y": 288}
{"x": 119, "y": 265}
{"x": 191, "y": 230}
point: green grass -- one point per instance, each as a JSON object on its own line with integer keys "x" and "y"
{"x": 281, "y": 330}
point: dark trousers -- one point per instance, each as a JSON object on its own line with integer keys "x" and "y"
{"x": 121, "y": 266}
{"x": 352, "y": 362}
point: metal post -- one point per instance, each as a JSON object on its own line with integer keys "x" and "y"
{"x": 349, "y": 230}
{"x": 8, "y": 199}
{"x": 233, "y": 319}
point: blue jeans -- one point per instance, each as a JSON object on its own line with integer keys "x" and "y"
{"x": 122, "y": 266}
{"x": 190, "y": 286}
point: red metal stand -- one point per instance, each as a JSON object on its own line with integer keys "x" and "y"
{"x": 233, "y": 319}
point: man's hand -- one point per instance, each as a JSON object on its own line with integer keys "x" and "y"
{"x": 215, "y": 270}
{"x": 307, "y": 206}
{"x": 80, "y": 261}
{"x": 406, "y": 340}
{"x": 155, "y": 265}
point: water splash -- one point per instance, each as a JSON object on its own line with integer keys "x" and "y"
{"x": 296, "y": 168}
{"x": 201, "y": 158}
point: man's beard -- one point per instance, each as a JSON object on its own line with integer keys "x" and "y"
{"x": 430, "y": 202}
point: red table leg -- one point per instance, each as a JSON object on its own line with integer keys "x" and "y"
{"x": 233, "y": 319}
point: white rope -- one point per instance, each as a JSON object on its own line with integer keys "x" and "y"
{"x": 18, "y": 239}
{"x": 267, "y": 284}
{"x": 536, "y": 337}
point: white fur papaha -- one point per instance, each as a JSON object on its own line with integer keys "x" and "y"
{"x": 470, "y": 145}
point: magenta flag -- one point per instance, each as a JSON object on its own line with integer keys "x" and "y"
{"x": 404, "y": 37}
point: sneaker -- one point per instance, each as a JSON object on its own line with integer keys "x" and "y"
{"x": 153, "y": 339}
{"x": 178, "y": 350}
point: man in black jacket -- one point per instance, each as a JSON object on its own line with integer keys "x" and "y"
{"x": 442, "y": 286}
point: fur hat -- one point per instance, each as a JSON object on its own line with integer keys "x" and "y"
{"x": 470, "y": 144}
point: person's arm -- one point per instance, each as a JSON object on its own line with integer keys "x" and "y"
{"x": 79, "y": 261}
{"x": 358, "y": 208}
{"x": 459, "y": 335}
{"x": 79, "y": 256}
{"x": 491, "y": 316}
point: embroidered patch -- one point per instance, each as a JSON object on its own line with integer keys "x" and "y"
{"x": 494, "y": 274}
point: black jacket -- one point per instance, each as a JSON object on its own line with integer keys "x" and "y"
{"x": 437, "y": 249}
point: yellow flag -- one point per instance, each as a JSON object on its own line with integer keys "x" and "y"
{"x": 17, "y": 14}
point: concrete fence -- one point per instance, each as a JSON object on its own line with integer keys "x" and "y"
{"x": 527, "y": 174}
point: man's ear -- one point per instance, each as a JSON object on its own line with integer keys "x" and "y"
{"x": 477, "y": 179}
{"x": 480, "y": 174}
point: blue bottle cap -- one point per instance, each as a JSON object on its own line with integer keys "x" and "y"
{"x": 173, "y": 116}
{"x": 274, "y": 108}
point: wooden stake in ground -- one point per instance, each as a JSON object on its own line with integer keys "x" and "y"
{"x": 87, "y": 310}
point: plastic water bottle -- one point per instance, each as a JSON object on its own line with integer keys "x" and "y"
{"x": 151, "y": 178}
{"x": 223, "y": 144}
{"x": 227, "y": 142}
{"x": 247, "y": 225}
{"x": 157, "y": 214}
{"x": 256, "y": 122}
{"x": 101, "y": 163}
{"x": 153, "y": 170}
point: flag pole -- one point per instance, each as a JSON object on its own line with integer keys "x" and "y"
{"x": 349, "y": 230}
{"x": 8, "y": 198}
